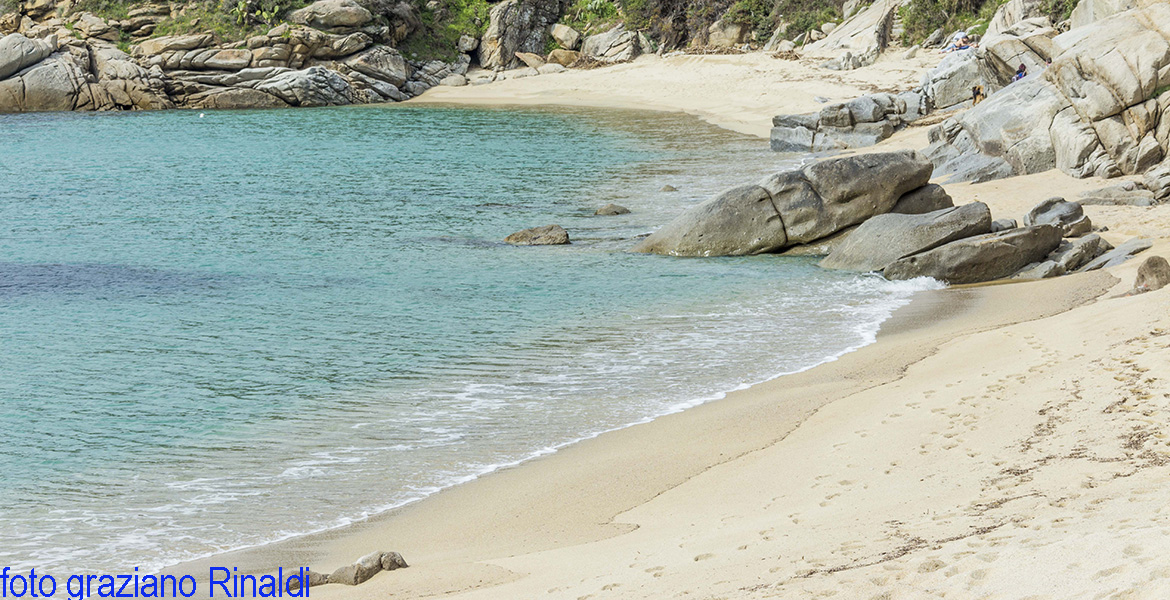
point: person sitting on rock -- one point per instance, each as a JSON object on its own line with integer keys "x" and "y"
{"x": 1021, "y": 73}
{"x": 960, "y": 42}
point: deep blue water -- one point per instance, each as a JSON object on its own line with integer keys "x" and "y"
{"x": 220, "y": 330}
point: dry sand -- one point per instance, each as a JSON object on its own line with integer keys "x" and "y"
{"x": 1003, "y": 441}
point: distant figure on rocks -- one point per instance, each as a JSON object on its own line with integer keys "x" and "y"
{"x": 977, "y": 95}
{"x": 960, "y": 42}
{"x": 1021, "y": 73}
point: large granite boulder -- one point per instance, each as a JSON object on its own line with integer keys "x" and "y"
{"x": 383, "y": 63}
{"x": 886, "y": 238}
{"x": 1012, "y": 12}
{"x": 330, "y": 14}
{"x": 860, "y": 122}
{"x": 18, "y": 52}
{"x": 949, "y": 84}
{"x": 615, "y": 45}
{"x": 1028, "y": 42}
{"x": 792, "y": 207}
{"x": 981, "y": 258}
{"x": 566, "y": 36}
{"x": 517, "y": 26}
{"x": 725, "y": 34}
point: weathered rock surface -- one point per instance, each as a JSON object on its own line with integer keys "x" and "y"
{"x": 928, "y": 198}
{"x": 1154, "y": 274}
{"x": 1118, "y": 255}
{"x": 563, "y": 57}
{"x": 365, "y": 568}
{"x": 1118, "y": 195}
{"x": 546, "y": 235}
{"x": 860, "y": 122}
{"x": 886, "y": 238}
{"x": 18, "y": 52}
{"x": 566, "y": 36}
{"x": 611, "y": 210}
{"x": 517, "y": 26}
{"x": 859, "y": 40}
{"x": 1092, "y": 112}
{"x": 1074, "y": 254}
{"x": 981, "y": 258}
{"x": 615, "y": 45}
{"x": 1068, "y": 216}
{"x": 792, "y": 207}
{"x": 725, "y": 34}
{"x": 328, "y": 14}
{"x": 1003, "y": 225}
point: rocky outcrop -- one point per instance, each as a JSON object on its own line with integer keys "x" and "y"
{"x": 615, "y": 45}
{"x": 886, "y": 238}
{"x": 792, "y": 207}
{"x": 546, "y": 235}
{"x": 1093, "y": 112}
{"x": 340, "y": 55}
{"x": 981, "y": 258}
{"x": 517, "y": 26}
{"x": 859, "y": 40}
{"x": 1124, "y": 194}
{"x": 860, "y": 122}
{"x": 1117, "y": 255}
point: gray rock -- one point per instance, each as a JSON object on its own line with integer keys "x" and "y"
{"x": 792, "y": 207}
{"x": 392, "y": 561}
{"x": 360, "y": 572}
{"x": 18, "y": 53}
{"x": 382, "y": 63}
{"x": 551, "y": 68}
{"x": 453, "y": 80}
{"x": 1072, "y": 255}
{"x": 315, "y": 86}
{"x": 1118, "y": 195}
{"x": 1117, "y": 255}
{"x": 1003, "y": 225}
{"x": 668, "y": 188}
{"x": 327, "y": 14}
{"x": 172, "y": 43}
{"x": 884, "y": 239}
{"x": 615, "y": 45}
{"x": 1040, "y": 270}
{"x": 980, "y": 258}
{"x": 517, "y": 26}
{"x": 928, "y": 198}
{"x": 725, "y": 34}
{"x": 1154, "y": 274}
{"x": 612, "y": 209}
{"x": 1068, "y": 216}
{"x": 468, "y": 43}
{"x": 546, "y": 235}
{"x": 566, "y": 36}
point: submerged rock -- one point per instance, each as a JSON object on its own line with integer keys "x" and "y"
{"x": 546, "y": 235}
{"x": 612, "y": 209}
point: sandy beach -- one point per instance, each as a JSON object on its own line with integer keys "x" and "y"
{"x": 1003, "y": 441}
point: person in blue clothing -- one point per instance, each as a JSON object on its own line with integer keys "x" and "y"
{"x": 1021, "y": 73}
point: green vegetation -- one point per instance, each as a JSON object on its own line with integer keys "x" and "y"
{"x": 805, "y": 15}
{"x": 1160, "y": 91}
{"x": 106, "y": 9}
{"x": 921, "y": 17}
{"x": 438, "y": 37}
{"x": 8, "y": 6}
{"x": 589, "y": 16}
{"x": 759, "y": 14}
{"x": 1059, "y": 10}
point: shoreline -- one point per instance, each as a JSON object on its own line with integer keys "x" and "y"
{"x": 913, "y": 333}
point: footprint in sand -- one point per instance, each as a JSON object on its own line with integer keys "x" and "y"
{"x": 931, "y": 565}
{"x": 704, "y": 557}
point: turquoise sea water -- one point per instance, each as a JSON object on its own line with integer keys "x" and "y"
{"x": 221, "y": 330}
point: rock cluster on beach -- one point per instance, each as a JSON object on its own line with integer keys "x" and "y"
{"x": 863, "y": 121}
{"x": 877, "y": 212}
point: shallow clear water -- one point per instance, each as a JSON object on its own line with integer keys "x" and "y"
{"x": 219, "y": 331}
